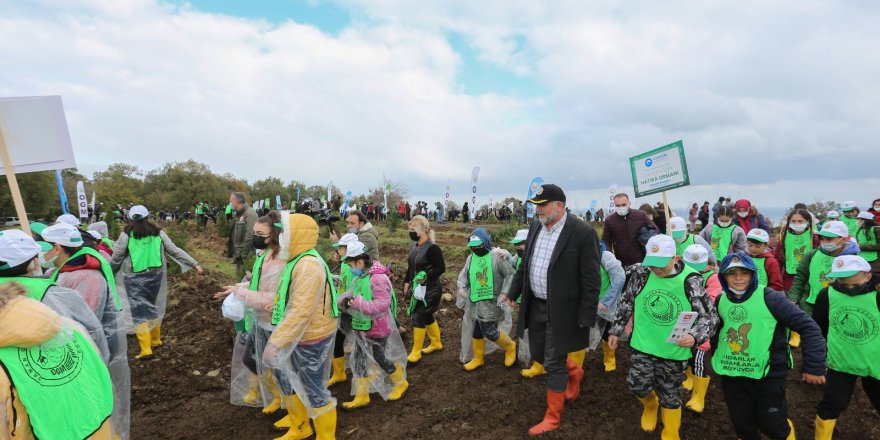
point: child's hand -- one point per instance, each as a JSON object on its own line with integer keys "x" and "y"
{"x": 686, "y": 341}
{"x": 612, "y": 342}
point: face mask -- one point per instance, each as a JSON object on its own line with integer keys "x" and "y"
{"x": 736, "y": 291}
{"x": 356, "y": 271}
{"x": 723, "y": 224}
{"x": 681, "y": 239}
{"x": 481, "y": 252}
{"x": 47, "y": 264}
{"x": 520, "y": 252}
{"x": 829, "y": 247}
{"x": 798, "y": 227}
{"x": 414, "y": 236}
{"x": 849, "y": 290}
{"x": 352, "y": 230}
{"x": 259, "y": 242}
{"x": 622, "y": 210}
{"x": 742, "y": 214}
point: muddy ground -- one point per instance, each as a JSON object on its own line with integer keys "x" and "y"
{"x": 183, "y": 391}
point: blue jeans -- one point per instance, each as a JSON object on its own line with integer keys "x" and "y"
{"x": 308, "y": 364}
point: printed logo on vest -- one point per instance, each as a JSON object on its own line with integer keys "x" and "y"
{"x": 663, "y": 307}
{"x": 738, "y": 340}
{"x": 52, "y": 367}
{"x": 738, "y": 313}
{"x": 855, "y": 325}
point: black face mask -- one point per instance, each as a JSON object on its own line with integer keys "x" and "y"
{"x": 520, "y": 252}
{"x": 480, "y": 252}
{"x": 858, "y": 290}
{"x": 414, "y": 236}
{"x": 259, "y": 242}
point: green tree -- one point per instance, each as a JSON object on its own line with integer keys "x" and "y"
{"x": 39, "y": 194}
{"x": 119, "y": 184}
{"x": 183, "y": 184}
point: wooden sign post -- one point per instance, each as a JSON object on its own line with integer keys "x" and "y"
{"x": 13, "y": 186}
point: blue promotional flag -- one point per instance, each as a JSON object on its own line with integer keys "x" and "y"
{"x": 278, "y": 201}
{"x": 533, "y": 188}
{"x": 593, "y": 204}
{"x": 347, "y": 201}
{"x": 62, "y": 196}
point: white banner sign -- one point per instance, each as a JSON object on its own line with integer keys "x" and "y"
{"x": 81, "y": 200}
{"x": 475, "y": 175}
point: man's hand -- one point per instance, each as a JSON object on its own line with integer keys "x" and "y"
{"x": 686, "y": 341}
{"x": 813, "y": 380}
{"x": 612, "y": 341}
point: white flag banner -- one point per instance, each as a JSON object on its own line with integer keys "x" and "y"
{"x": 93, "y": 200}
{"x": 81, "y": 200}
{"x": 446, "y": 197}
{"x": 475, "y": 175}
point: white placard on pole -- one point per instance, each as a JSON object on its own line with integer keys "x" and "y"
{"x": 36, "y": 134}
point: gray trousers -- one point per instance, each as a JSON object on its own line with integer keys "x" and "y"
{"x": 543, "y": 347}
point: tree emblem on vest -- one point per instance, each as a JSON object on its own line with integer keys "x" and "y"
{"x": 663, "y": 307}
{"x": 738, "y": 340}
{"x": 799, "y": 253}
{"x": 738, "y": 313}
{"x": 854, "y": 325}
{"x": 52, "y": 366}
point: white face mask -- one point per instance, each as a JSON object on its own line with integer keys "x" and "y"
{"x": 737, "y": 292}
{"x": 44, "y": 263}
{"x": 622, "y": 210}
{"x": 723, "y": 224}
{"x": 742, "y": 214}
{"x": 798, "y": 227}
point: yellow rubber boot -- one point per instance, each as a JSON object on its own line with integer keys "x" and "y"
{"x": 142, "y": 331}
{"x": 155, "y": 339}
{"x": 534, "y": 371}
{"x": 325, "y": 424}
{"x": 509, "y": 347}
{"x": 578, "y": 357}
{"x": 479, "y": 353}
{"x": 361, "y": 394}
{"x": 649, "y": 415}
{"x": 338, "y": 371}
{"x": 795, "y": 339}
{"x": 698, "y": 397}
{"x": 436, "y": 344}
{"x": 688, "y": 383}
{"x": 609, "y": 359}
{"x": 269, "y": 382}
{"x": 253, "y": 394}
{"x": 297, "y": 420}
{"x": 791, "y": 435}
{"x": 400, "y": 383}
{"x": 824, "y": 428}
{"x": 418, "y": 341}
{"x": 671, "y": 423}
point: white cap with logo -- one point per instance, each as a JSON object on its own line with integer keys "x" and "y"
{"x": 849, "y": 205}
{"x": 846, "y": 266}
{"x": 63, "y": 234}
{"x": 696, "y": 257}
{"x": 346, "y": 240}
{"x": 834, "y": 229}
{"x": 70, "y": 219}
{"x": 355, "y": 249}
{"x": 521, "y": 236}
{"x": 16, "y": 248}
{"x": 677, "y": 227}
{"x": 660, "y": 249}
{"x": 758, "y": 235}
{"x": 865, "y": 215}
{"x": 138, "y": 212}
{"x": 833, "y": 214}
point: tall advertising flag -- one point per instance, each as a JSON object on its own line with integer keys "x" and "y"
{"x": 347, "y": 201}
{"x": 446, "y": 197}
{"x": 93, "y": 200}
{"x": 533, "y": 189}
{"x": 81, "y": 200}
{"x": 475, "y": 175}
{"x": 329, "y": 191}
{"x": 386, "y": 188}
{"x": 593, "y": 204}
{"x": 62, "y": 195}
{"x": 278, "y": 202}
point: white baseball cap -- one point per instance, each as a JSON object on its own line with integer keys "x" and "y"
{"x": 846, "y": 266}
{"x": 833, "y": 214}
{"x": 63, "y": 234}
{"x": 16, "y": 248}
{"x": 677, "y": 227}
{"x": 355, "y": 249}
{"x": 758, "y": 235}
{"x": 95, "y": 234}
{"x": 346, "y": 240}
{"x": 697, "y": 257}
{"x": 475, "y": 241}
{"x": 834, "y": 229}
{"x": 660, "y": 249}
{"x": 521, "y": 236}
{"x": 849, "y": 205}
{"x": 138, "y": 212}
{"x": 865, "y": 215}
{"x": 70, "y": 219}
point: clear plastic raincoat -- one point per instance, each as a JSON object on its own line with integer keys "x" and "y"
{"x": 489, "y": 310}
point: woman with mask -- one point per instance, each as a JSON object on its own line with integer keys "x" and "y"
{"x": 811, "y": 275}
{"x": 378, "y": 356}
{"x": 483, "y": 278}
{"x": 875, "y": 210}
{"x": 425, "y": 265}
{"x": 868, "y": 237}
{"x": 748, "y": 218}
{"x": 724, "y": 237}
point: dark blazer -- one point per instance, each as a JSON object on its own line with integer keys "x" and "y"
{"x": 573, "y": 283}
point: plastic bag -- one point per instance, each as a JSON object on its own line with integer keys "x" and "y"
{"x": 233, "y": 308}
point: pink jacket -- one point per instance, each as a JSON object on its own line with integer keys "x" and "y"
{"x": 713, "y": 288}
{"x": 379, "y": 309}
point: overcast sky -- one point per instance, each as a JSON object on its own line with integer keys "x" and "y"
{"x": 774, "y": 101}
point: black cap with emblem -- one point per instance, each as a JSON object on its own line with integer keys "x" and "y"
{"x": 547, "y": 193}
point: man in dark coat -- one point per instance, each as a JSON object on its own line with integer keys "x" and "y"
{"x": 558, "y": 281}
{"x": 621, "y": 231}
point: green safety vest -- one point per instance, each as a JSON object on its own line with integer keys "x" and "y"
{"x": 820, "y": 267}
{"x": 481, "y": 278}
{"x": 606, "y": 282}
{"x": 229, "y": 209}
{"x": 52, "y": 376}
{"x": 853, "y": 342}
{"x": 851, "y": 223}
{"x": 36, "y": 287}
{"x": 360, "y": 321}
{"x": 746, "y": 334}
{"x": 246, "y": 324}
{"x": 657, "y": 308}
{"x": 199, "y": 209}
{"x": 106, "y": 270}
{"x": 721, "y": 240}
{"x": 345, "y": 277}
{"x": 706, "y": 275}
{"x": 145, "y": 253}
{"x": 796, "y": 246}
{"x": 284, "y": 286}
{"x": 107, "y": 242}
{"x": 867, "y": 236}
{"x": 762, "y": 271}
{"x": 680, "y": 247}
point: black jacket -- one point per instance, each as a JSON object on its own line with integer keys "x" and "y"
{"x": 573, "y": 283}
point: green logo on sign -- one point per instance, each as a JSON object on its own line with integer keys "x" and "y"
{"x": 52, "y": 367}
{"x": 855, "y": 325}
{"x": 663, "y": 307}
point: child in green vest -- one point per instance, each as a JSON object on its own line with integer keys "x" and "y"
{"x": 850, "y": 216}
{"x": 378, "y": 353}
{"x": 613, "y": 278}
{"x": 796, "y": 239}
{"x": 483, "y": 278}
{"x": 724, "y": 237}
{"x": 758, "y": 245}
{"x": 656, "y": 295}
{"x": 697, "y": 258}
{"x": 343, "y": 284}
{"x": 868, "y": 237}
{"x": 679, "y": 232}
{"x": 811, "y": 274}
{"x": 848, "y": 312}
{"x": 751, "y": 354}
